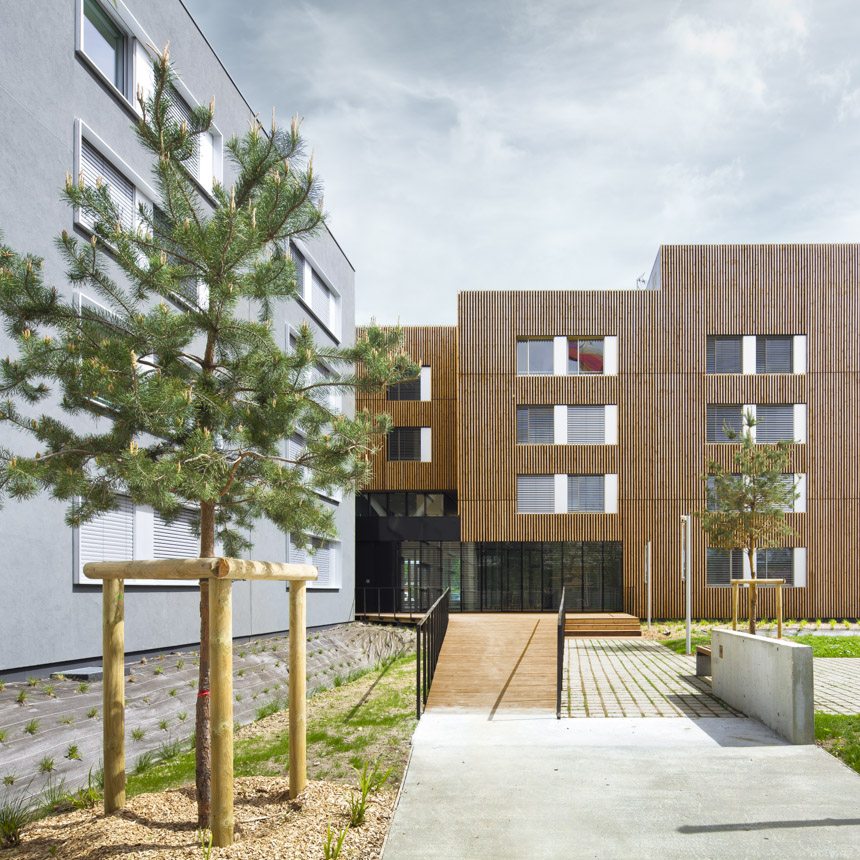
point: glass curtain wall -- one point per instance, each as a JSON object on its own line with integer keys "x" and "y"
{"x": 512, "y": 577}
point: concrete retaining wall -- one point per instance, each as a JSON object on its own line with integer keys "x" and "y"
{"x": 768, "y": 679}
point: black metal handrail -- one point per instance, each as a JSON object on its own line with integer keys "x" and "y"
{"x": 430, "y": 633}
{"x": 560, "y": 657}
{"x": 412, "y": 601}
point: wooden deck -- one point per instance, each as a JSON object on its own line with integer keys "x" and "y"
{"x": 497, "y": 663}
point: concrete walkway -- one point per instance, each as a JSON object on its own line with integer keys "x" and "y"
{"x": 652, "y": 789}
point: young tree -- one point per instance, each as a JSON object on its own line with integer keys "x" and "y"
{"x": 178, "y": 407}
{"x": 747, "y": 503}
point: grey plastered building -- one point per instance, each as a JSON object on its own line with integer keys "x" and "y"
{"x": 68, "y": 75}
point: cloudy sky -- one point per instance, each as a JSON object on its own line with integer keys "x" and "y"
{"x": 555, "y": 144}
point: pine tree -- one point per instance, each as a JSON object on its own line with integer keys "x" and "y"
{"x": 188, "y": 406}
{"x": 747, "y": 503}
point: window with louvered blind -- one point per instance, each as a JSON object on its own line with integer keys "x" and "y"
{"x": 775, "y": 563}
{"x": 535, "y": 494}
{"x": 724, "y": 354}
{"x": 720, "y": 417}
{"x": 324, "y": 555}
{"x": 586, "y": 425}
{"x": 585, "y": 493}
{"x": 408, "y": 389}
{"x": 176, "y": 539}
{"x": 95, "y": 167}
{"x": 535, "y": 425}
{"x": 777, "y": 423}
{"x": 110, "y": 536}
{"x": 404, "y": 443}
{"x": 774, "y": 353}
{"x": 724, "y": 565}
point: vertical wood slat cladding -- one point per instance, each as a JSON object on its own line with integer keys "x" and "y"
{"x": 435, "y": 347}
{"x": 662, "y": 393}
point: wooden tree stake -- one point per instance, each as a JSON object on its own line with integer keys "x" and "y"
{"x": 113, "y": 693}
{"x": 298, "y": 692}
{"x": 221, "y": 709}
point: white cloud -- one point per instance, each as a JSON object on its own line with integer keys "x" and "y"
{"x": 502, "y": 144}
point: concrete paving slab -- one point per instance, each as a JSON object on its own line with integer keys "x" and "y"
{"x": 618, "y": 789}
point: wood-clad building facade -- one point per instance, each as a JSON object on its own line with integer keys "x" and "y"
{"x": 661, "y": 389}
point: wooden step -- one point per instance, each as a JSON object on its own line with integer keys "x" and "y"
{"x": 602, "y": 624}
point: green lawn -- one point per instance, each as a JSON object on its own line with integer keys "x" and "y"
{"x": 679, "y": 646}
{"x": 831, "y": 646}
{"x": 822, "y": 646}
{"x": 840, "y": 735}
{"x": 370, "y": 717}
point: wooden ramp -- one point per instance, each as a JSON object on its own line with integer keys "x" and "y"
{"x": 497, "y": 663}
{"x": 602, "y": 624}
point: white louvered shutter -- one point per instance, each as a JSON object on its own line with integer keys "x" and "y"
{"x": 94, "y": 167}
{"x": 535, "y": 425}
{"x": 110, "y": 536}
{"x": 585, "y": 493}
{"x": 320, "y": 299}
{"x": 777, "y": 423}
{"x": 776, "y": 563}
{"x": 586, "y": 425}
{"x": 179, "y": 110}
{"x": 176, "y": 539}
{"x": 535, "y": 494}
{"x": 298, "y": 556}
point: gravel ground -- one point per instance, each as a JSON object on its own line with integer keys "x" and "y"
{"x": 268, "y": 825}
{"x": 160, "y": 700}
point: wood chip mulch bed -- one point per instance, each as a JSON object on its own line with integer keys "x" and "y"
{"x": 267, "y": 825}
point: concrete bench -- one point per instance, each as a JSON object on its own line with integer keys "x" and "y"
{"x": 703, "y": 661}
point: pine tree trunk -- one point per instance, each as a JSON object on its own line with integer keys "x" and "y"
{"x": 203, "y": 742}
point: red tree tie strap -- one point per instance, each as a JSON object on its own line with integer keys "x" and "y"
{"x": 202, "y": 694}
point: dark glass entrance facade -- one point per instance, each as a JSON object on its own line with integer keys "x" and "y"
{"x": 490, "y": 577}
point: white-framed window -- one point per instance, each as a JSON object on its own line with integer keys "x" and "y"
{"x": 96, "y": 161}
{"x": 415, "y": 389}
{"x": 756, "y": 354}
{"x": 315, "y": 290}
{"x": 563, "y": 494}
{"x": 135, "y": 532}
{"x": 103, "y": 40}
{"x": 111, "y": 42}
{"x": 409, "y": 444}
{"x": 788, "y": 563}
{"x": 535, "y": 357}
{"x": 325, "y": 556}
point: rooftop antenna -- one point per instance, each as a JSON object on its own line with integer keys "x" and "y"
{"x": 640, "y": 282}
